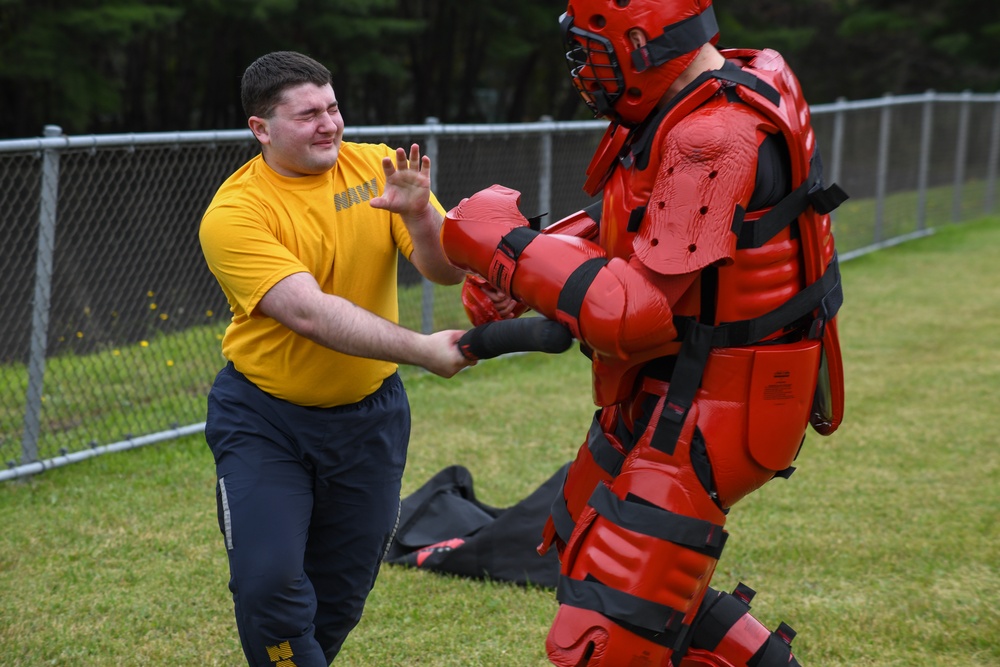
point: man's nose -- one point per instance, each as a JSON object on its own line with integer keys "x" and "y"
{"x": 328, "y": 121}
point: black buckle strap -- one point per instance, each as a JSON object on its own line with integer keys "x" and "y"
{"x": 717, "y": 617}
{"x": 777, "y": 650}
{"x": 748, "y": 80}
{"x": 699, "y": 535}
{"x": 513, "y": 243}
{"x": 826, "y": 294}
{"x": 595, "y": 596}
{"x": 810, "y": 193}
{"x": 686, "y": 380}
{"x": 603, "y": 452}
{"x": 677, "y": 39}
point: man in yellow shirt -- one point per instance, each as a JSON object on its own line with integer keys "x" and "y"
{"x": 308, "y": 421}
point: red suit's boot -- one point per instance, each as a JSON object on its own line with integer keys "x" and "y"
{"x": 726, "y": 635}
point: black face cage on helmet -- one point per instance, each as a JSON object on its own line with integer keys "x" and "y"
{"x": 599, "y": 84}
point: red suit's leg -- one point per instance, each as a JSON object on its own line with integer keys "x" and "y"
{"x": 639, "y": 561}
{"x": 645, "y": 544}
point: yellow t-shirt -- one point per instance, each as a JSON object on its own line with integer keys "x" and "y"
{"x": 262, "y": 227}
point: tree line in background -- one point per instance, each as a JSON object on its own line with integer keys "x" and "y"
{"x": 170, "y": 65}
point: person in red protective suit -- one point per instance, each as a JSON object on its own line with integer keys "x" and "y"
{"x": 704, "y": 287}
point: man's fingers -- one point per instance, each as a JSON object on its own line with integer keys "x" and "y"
{"x": 388, "y": 167}
{"x": 403, "y": 162}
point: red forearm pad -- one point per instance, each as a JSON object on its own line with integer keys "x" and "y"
{"x": 618, "y": 313}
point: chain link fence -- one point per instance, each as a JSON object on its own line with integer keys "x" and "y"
{"x": 111, "y": 327}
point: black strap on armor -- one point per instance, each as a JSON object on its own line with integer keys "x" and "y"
{"x": 635, "y": 219}
{"x": 509, "y": 249}
{"x": 826, "y": 294}
{"x": 699, "y": 535}
{"x": 594, "y": 211}
{"x": 776, "y": 651}
{"x": 515, "y": 241}
{"x": 573, "y": 292}
{"x": 595, "y": 596}
{"x": 691, "y": 360}
{"x": 746, "y": 79}
{"x": 606, "y": 456}
{"x": 677, "y": 39}
{"x": 535, "y": 222}
{"x": 603, "y": 452}
{"x": 718, "y": 614}
{"x": 562, "y": 521}
{"x": 810, "y": 193}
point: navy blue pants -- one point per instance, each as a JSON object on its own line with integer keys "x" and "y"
{"x": 308, "y": 499}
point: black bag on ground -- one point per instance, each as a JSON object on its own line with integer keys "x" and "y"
{"x": 444, "y": 528}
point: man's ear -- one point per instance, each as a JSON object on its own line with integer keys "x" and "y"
{"x": 258, "y": 126}
{"x": 638, "y": 38}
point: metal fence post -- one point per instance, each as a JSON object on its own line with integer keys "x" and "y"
{"x": 961, "y": 148}
{"x": 545, "y": 172}
{"x": 923, "y": 176}
{"x": 837, "y": 150}
{"x": 427, "y": 287}
{"x": 882, "y": 168}
{"x": 47, "y": 215}
{"x": 989, "y": 201}
{"x": 837, "y": 154}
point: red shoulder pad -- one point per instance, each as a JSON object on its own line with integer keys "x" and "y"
{"x": 708, "y": 168}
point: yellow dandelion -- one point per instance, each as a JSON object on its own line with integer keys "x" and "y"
{"x": 170, "y": 362}
{"x": 79, "y": 334}
{"x": 150, "y": 294}
{"x": 152, "y": 306}
{"x": 209, "y": 313}
{"x": 116, "y": 353}
{"x": 144, "y": 343}
{"x": 163, "y": 316}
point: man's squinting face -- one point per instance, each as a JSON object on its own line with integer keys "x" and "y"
{"x": 302, "y": 136}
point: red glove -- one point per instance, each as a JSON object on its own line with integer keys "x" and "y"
{"x": 484, "y": 303}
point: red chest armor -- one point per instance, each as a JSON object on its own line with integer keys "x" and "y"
{"x": 678, "y": 207}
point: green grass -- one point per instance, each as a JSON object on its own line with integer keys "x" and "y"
{"x": 882, "y": 550}
{"x": 116, "y": 392}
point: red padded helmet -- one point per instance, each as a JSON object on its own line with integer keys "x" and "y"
{"x": 617, "y": 80}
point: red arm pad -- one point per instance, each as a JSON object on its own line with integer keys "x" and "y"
{"x": 480, "y": 307}
{"x": 610, "y": 306}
